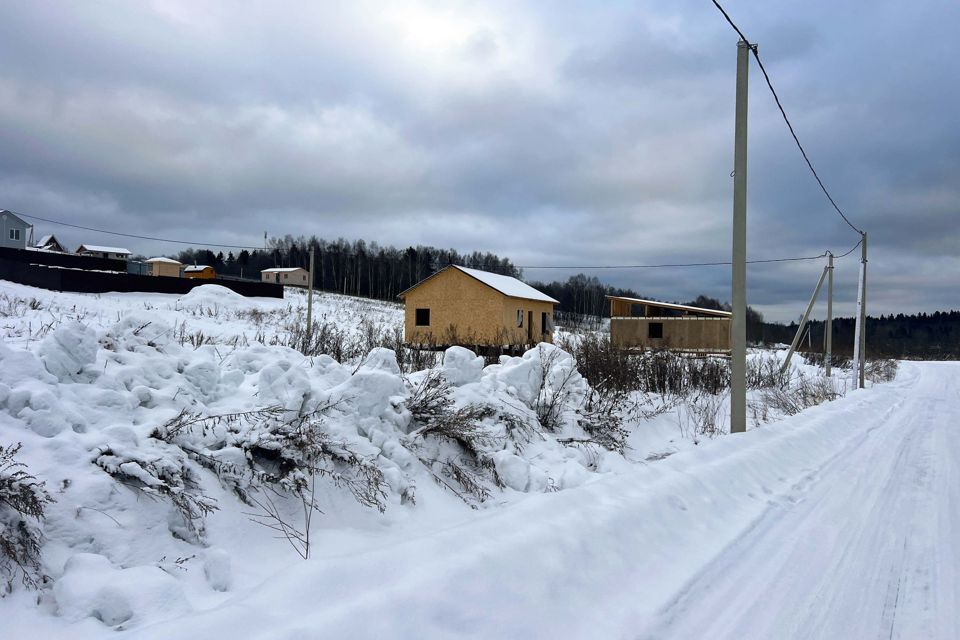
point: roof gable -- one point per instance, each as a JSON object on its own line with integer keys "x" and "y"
{"x": 14, "y": 216}
{"x": 505, "y": 285}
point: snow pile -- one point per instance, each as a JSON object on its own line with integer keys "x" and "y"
{"x": 212, "y": 296}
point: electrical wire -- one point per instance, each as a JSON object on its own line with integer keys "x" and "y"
{"x": 132, "y": 235}
{"x": 691, "y": 264}
{"x": 783, "y": 112}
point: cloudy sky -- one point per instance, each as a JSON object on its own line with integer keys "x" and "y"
{"x": 555, "y": 133}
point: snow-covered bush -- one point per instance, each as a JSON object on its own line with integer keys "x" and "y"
{"x": 881, "y": 369}
{"x": 802, "y": 392}
{"x": 161, "y": 472}
{"x": 22, "y": 502}
{"x": 465, "y": 467}
{"x": 273, "y": 454}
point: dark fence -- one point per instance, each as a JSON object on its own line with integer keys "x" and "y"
{"x": 101, "y": 282}
{"x": 67, "y": 260}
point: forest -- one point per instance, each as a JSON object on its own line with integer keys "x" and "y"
{"x": 368, "y": 269}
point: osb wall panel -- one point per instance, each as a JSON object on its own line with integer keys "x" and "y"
{"x": 521, "y": 335}
{"x": 462, "y": 311}
{"x": 693, "y": 334}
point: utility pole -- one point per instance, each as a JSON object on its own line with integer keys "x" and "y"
{"x": 803, "y": 321}
{"x": 738, "y": 328}
{"x": 310, "y": 299}
{"x": 828, "y": 355}
{"x": 863, "y": 310}
{"x": 859, "y": 335}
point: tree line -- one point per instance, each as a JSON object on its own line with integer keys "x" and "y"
{"x": 368, "y": 269}
{"x": 355, "y": 268}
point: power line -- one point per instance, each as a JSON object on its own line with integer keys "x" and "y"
{"x": 690, "y": 264}
{"x": 783, "y": 112}
{"x": 139, "y": 237}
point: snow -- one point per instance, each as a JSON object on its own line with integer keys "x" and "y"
{"x": 164, "y": 260}
{"x": 281, "y": 270}
{"x": 507, "y": 285}
{"x": 835, "y": 522}
{"x": 196, "y": 268}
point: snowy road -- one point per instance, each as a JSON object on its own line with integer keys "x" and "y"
{"x": 863, "y": 547}
{"x": 840, "y": 522}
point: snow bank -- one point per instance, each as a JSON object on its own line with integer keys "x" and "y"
{"x": 594, "y": 562}
{"x": 154, "y": 441}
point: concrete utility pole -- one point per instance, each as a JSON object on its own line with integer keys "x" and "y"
{"x": 859, "y": 334}
{"x": 738, "y": 328}
{"x": 863, "y": 310}
{"x": 803, "y": 321}
{"x": 310, "y": 298}
{"x": 828, "y": 355}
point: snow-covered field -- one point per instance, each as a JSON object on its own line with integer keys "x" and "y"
{"x": 166, "y": 427}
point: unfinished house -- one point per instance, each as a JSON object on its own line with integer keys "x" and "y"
{"x": 473, "y": 308}
{"x": 648, "y": 324}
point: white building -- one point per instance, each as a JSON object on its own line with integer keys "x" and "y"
{"x": 294, "y": 276}
{"x": 97, "y": 251}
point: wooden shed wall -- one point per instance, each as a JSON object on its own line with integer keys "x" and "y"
{"x": 682, "y": 334}
{"x": 165, "y": 269}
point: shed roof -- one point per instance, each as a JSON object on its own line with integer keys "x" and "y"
{"x": 102, "y": 249}
{"x": 507, "y": 285}
{"x": 194, "y": 268}
{"x": 670, "y": 305}
{"x": 164, "y": 260}
{"x": 282, "y": 269}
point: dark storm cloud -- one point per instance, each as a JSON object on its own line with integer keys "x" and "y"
{"x": 581, "y": 135}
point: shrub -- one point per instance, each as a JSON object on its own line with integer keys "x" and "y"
{"x": 22, "y": 499}
{"x": 881, "y": 369}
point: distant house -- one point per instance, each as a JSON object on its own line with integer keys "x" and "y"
{"x": 460, "y": 306}
{"x": 164, "y": 267}
{"x": 97, "y": 251}
{"x": 286, "y": 275}
{"x": 199, "y": 271}
{"x": 50, "y": 243}
{"x": 648, "y": 324}
{"x": 15, "y": 232}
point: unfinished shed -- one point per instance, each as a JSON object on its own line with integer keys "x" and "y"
{"x": 473, "y": 308}
{"x": 166, "y": 267}
{"x": 648, "y": 324}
